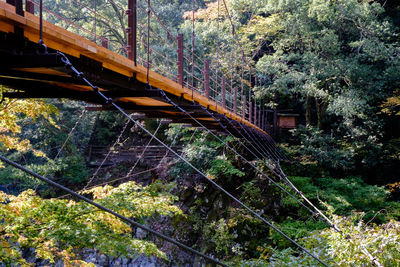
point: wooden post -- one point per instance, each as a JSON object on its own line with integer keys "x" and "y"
{"x": 29, "y": 6}
{"x": 132, "y": 28}
{"x": 235, "y": 99}
{"x": 223, "y": 85}
{"x": 207, "y": 78}
{"x": 180, "y": 58}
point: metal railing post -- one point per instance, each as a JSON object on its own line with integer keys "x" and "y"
{"x": 263, "y": 119}
{"x": 132, "y": 30}
{"x": 180, "y": 58}
{"x": 243, "y": 106}
{"x": 18, "y": 6}
{"x": 255, "y": 112}
{"x": 223, "y": 85}
{"x": 250, "y": 109}
{"x": 207, "y": 78}
{"x": 235, "y": 99}
{"x": 29, "y": 7}
{"x": 104, "y": 42}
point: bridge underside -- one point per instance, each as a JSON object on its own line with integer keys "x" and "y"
{"x": 35, "y": 73}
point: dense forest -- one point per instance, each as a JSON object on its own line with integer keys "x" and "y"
{"x": 333, "y": 63}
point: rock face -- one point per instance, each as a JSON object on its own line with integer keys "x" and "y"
{"x": 101, "y": 260}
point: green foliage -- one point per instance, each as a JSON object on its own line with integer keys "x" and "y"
{"x": 338, "y": 59}
{"x": 217, "y": 233}
{"x": 204, "y": 152}
{"x": 57, "y": 228}
{"x": 344, "y": 195}
{"x": 72, "y": 169}
{"x": 13, "y": 114}
{"x": 222, "y": 167}
{"x": 295, "y": 229}
{"x": 251, "y": 195}
{"x": 329, "y": 152}
{"x": 107, "y": 127}
{"x": 381, "y": 243}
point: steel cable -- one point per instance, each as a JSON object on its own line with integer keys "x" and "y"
{"x": 111, "y": 102}
{"x": 101, "y": 207}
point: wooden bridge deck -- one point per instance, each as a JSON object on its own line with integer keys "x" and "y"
{"x": 37, "y": 75}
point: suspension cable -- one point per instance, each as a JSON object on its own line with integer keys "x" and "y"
{"x": 144, "y": 150}
{"x": 70, "y": 134}
{"x": 117, "y": 141}
{"x": 248, "y": 162}
{"x": 283, "y": 177}
{"x": 110, "y": 101}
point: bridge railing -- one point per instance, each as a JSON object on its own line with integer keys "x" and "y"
{"x": 136, "y": 31}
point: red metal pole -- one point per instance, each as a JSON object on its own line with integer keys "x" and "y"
{"x": 207, "y": 78}
{"x": 243, "y": 106}
{"x": 104, "y": 42}
{"x": 131, "y": 30}
{"x": 250, "y": 109}
{"x": 223, "y": 92}
{"x": 180, "y": 58}
{"x": 18, "y": 6}
{"x": 134, "y": 32}
{"x": 263, "y": 119}
{"x": 29, "y": 7}
{"x": 235, "y": 100}
{"x": 275, "y": 122}
{"x": 255, "y": 112}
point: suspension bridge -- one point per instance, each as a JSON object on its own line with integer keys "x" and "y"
{"x": 42, "y": 60}
{"x": 39, "y": 73}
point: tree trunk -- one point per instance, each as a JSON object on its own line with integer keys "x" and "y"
{"x": 308, "y": 111}
{"x": 321, "y": 110}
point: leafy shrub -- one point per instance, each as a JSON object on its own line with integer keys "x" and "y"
{"x": 223, "y": 168}
{"x": 344, "y": 195}
{"x": 351, "y": 248}
{"x": 218, "y": 236}
{"x": 73, "y": 169}
{"x": 56, "y": 228}
{"x": 295, "y": 229}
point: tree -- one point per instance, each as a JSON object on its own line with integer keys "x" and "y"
{"x": 338, "y": 58}
{"x": 14, "y": 112}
